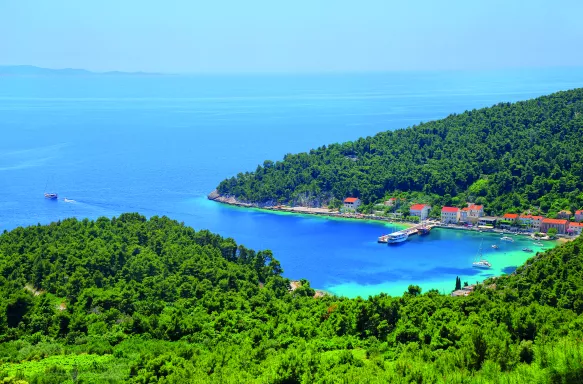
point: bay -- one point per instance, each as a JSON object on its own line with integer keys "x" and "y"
{"x": 158, "y": 144}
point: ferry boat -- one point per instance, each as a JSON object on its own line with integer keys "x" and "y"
{"x": 506, "y": 238}
{"x": 480, "y": 262}
{"x": 397, "y": 237}
{"x": 52, "y": 196}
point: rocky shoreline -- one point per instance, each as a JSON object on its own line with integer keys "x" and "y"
{"x": 231, "y": 200}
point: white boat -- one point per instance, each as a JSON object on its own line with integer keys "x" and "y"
{"x": 495, "y": 246}
{"x": 506, "y": 238}
{"x": 539, "y": 244}
{"x": 480, "y": 262}
{"x": 397, "y": 237}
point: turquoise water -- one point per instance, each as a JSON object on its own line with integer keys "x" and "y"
{"x": 158, "y": 145}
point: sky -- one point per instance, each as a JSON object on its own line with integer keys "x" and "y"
{"x": 297, "y": 36}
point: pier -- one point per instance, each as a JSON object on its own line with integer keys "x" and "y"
{"x": 409, "y": 231}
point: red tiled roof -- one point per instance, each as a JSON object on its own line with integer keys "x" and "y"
{"x": 510, "y": 216}
{"x": 537, "y": 217}
{"x": 417, "y": 207}
{"x": 525, "y": 217}
{"x": 350, "y": 199}
{"x": 393, "y": 198}
{"x": 475, "y": 207}
{"x": 466, "y": 209}
{"x": 579, "y": 212}
{"x": 450, "y": 209}
{"x": 555, "y": 221}
{"x": 575, "y": 224}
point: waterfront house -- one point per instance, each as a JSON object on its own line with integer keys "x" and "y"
{"x": 536, "y": 223}
{"x": 513, "y": 217}
{"x": 391, "y": 202}
{"x": 450, "y": 215}
{"x": 525, "y": 221}
{"x": 420, "y": 210}
{"x": 476, "y": 211}
{"x": 351, "y": 203}
{"x": 575, "y": 228}
{"x": 487, "y": 221}
{"x": 564, "y": 215}
{"x": 579, "y": 215}
{"x": 560, "y": 224}
{"x": 464, "y": 213}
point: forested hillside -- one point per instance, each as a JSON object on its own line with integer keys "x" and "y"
{"x": 507, "y": 157}
{"x": 152, "y": 301}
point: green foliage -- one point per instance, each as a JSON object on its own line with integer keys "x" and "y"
{"x": 152, "y": 301}
{"x": 509, "y": 156}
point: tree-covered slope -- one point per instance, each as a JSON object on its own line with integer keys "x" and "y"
{"x": 152, "y": 301}
{"x": 523, "y": 154}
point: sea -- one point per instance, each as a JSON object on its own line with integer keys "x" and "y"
{"x": 158, "y": 145}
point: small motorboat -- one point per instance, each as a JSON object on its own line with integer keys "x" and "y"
{"x": 539, "y": 244}
{"x": 495, "y": 246}
{"x": 527, "y": 249}
{"x": 51, "y": 196}
{"x": 507, "y": 238}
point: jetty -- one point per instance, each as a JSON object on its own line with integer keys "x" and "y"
{"x": 416, "y": 229}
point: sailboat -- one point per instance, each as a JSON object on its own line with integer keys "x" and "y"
{"x": 50, "y": 195}
{"x": 480, "y": 261}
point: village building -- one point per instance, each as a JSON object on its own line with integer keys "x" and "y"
{"x": 420, "y": 210}
{"x": 450, "y": 215}
{"x": 487, "y": 221}
{"x": 579, "y": 215}
{"x": 536, "y": 223}
{"x": 352, "y": 203}
{"x": 476, "y": 211}
{"x": 561, "y": 225}
{"x": 464, "y": 213}
{"x": 510, "y": 217}
{"x": 564, "y": 215}
{"x": 575, "y": 229}
{"x": 391, "y": 202}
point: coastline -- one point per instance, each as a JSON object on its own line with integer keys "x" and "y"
{"x": 323, "y": 212}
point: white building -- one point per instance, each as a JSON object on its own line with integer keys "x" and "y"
{"x": 420, "y": 210}
{"x": 351, "y": 203}
{"x": 450, "y": 215}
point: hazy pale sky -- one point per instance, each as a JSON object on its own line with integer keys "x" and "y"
{"x": 194, "y": 36}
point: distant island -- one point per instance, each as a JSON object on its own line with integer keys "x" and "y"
{"x": 512, "y": 157}
{"x": 31, "y": 70}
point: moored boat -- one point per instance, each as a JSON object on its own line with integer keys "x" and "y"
{"x": 527, "y": 249}
{"x": 506, "y": 238}
{"x": 539, "y": 244}
{"x": 397, "y": 237}
{"x": 495, "y": 246}
{"x": 480, "y": 262}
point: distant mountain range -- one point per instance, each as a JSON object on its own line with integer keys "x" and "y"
{"x": 31, "y": 70}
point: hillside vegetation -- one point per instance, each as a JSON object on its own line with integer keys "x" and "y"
{"x": 507, "y": 157}
{"x": 153, "y": 301}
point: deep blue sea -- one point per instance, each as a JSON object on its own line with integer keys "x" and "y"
{"x": 158, "y": 144}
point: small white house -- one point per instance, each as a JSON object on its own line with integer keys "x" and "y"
{"x": 351, "y": 203}
{"x": 420, "y": 210}
{"x": 450, "y": 215}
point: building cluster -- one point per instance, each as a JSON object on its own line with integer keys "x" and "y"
{"x": 474, "y": 214}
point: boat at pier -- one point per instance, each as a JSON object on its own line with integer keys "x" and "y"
{"x": 397, "y": 237}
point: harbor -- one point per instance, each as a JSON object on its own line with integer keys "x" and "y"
{"x": 403, "y": 235}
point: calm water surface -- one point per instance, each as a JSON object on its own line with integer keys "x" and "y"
{"x": 158, "y": 145}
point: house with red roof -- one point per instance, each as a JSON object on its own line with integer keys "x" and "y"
{"x": 420, "y": 210}
{"x": 391, "y": 202}
{"x": 536, "y": 223}
{"x": 579, "y": 215}
{"x": 351, "y": 203}
{"x": 450, "y": 215}
{"x": 575, "y": 228}
{"x": 464, "y": 214}
{"x": 476, "y": 211}
{"x": 560, "y": 224}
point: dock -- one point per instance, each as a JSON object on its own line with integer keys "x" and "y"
{"x": 409, "y": 231}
